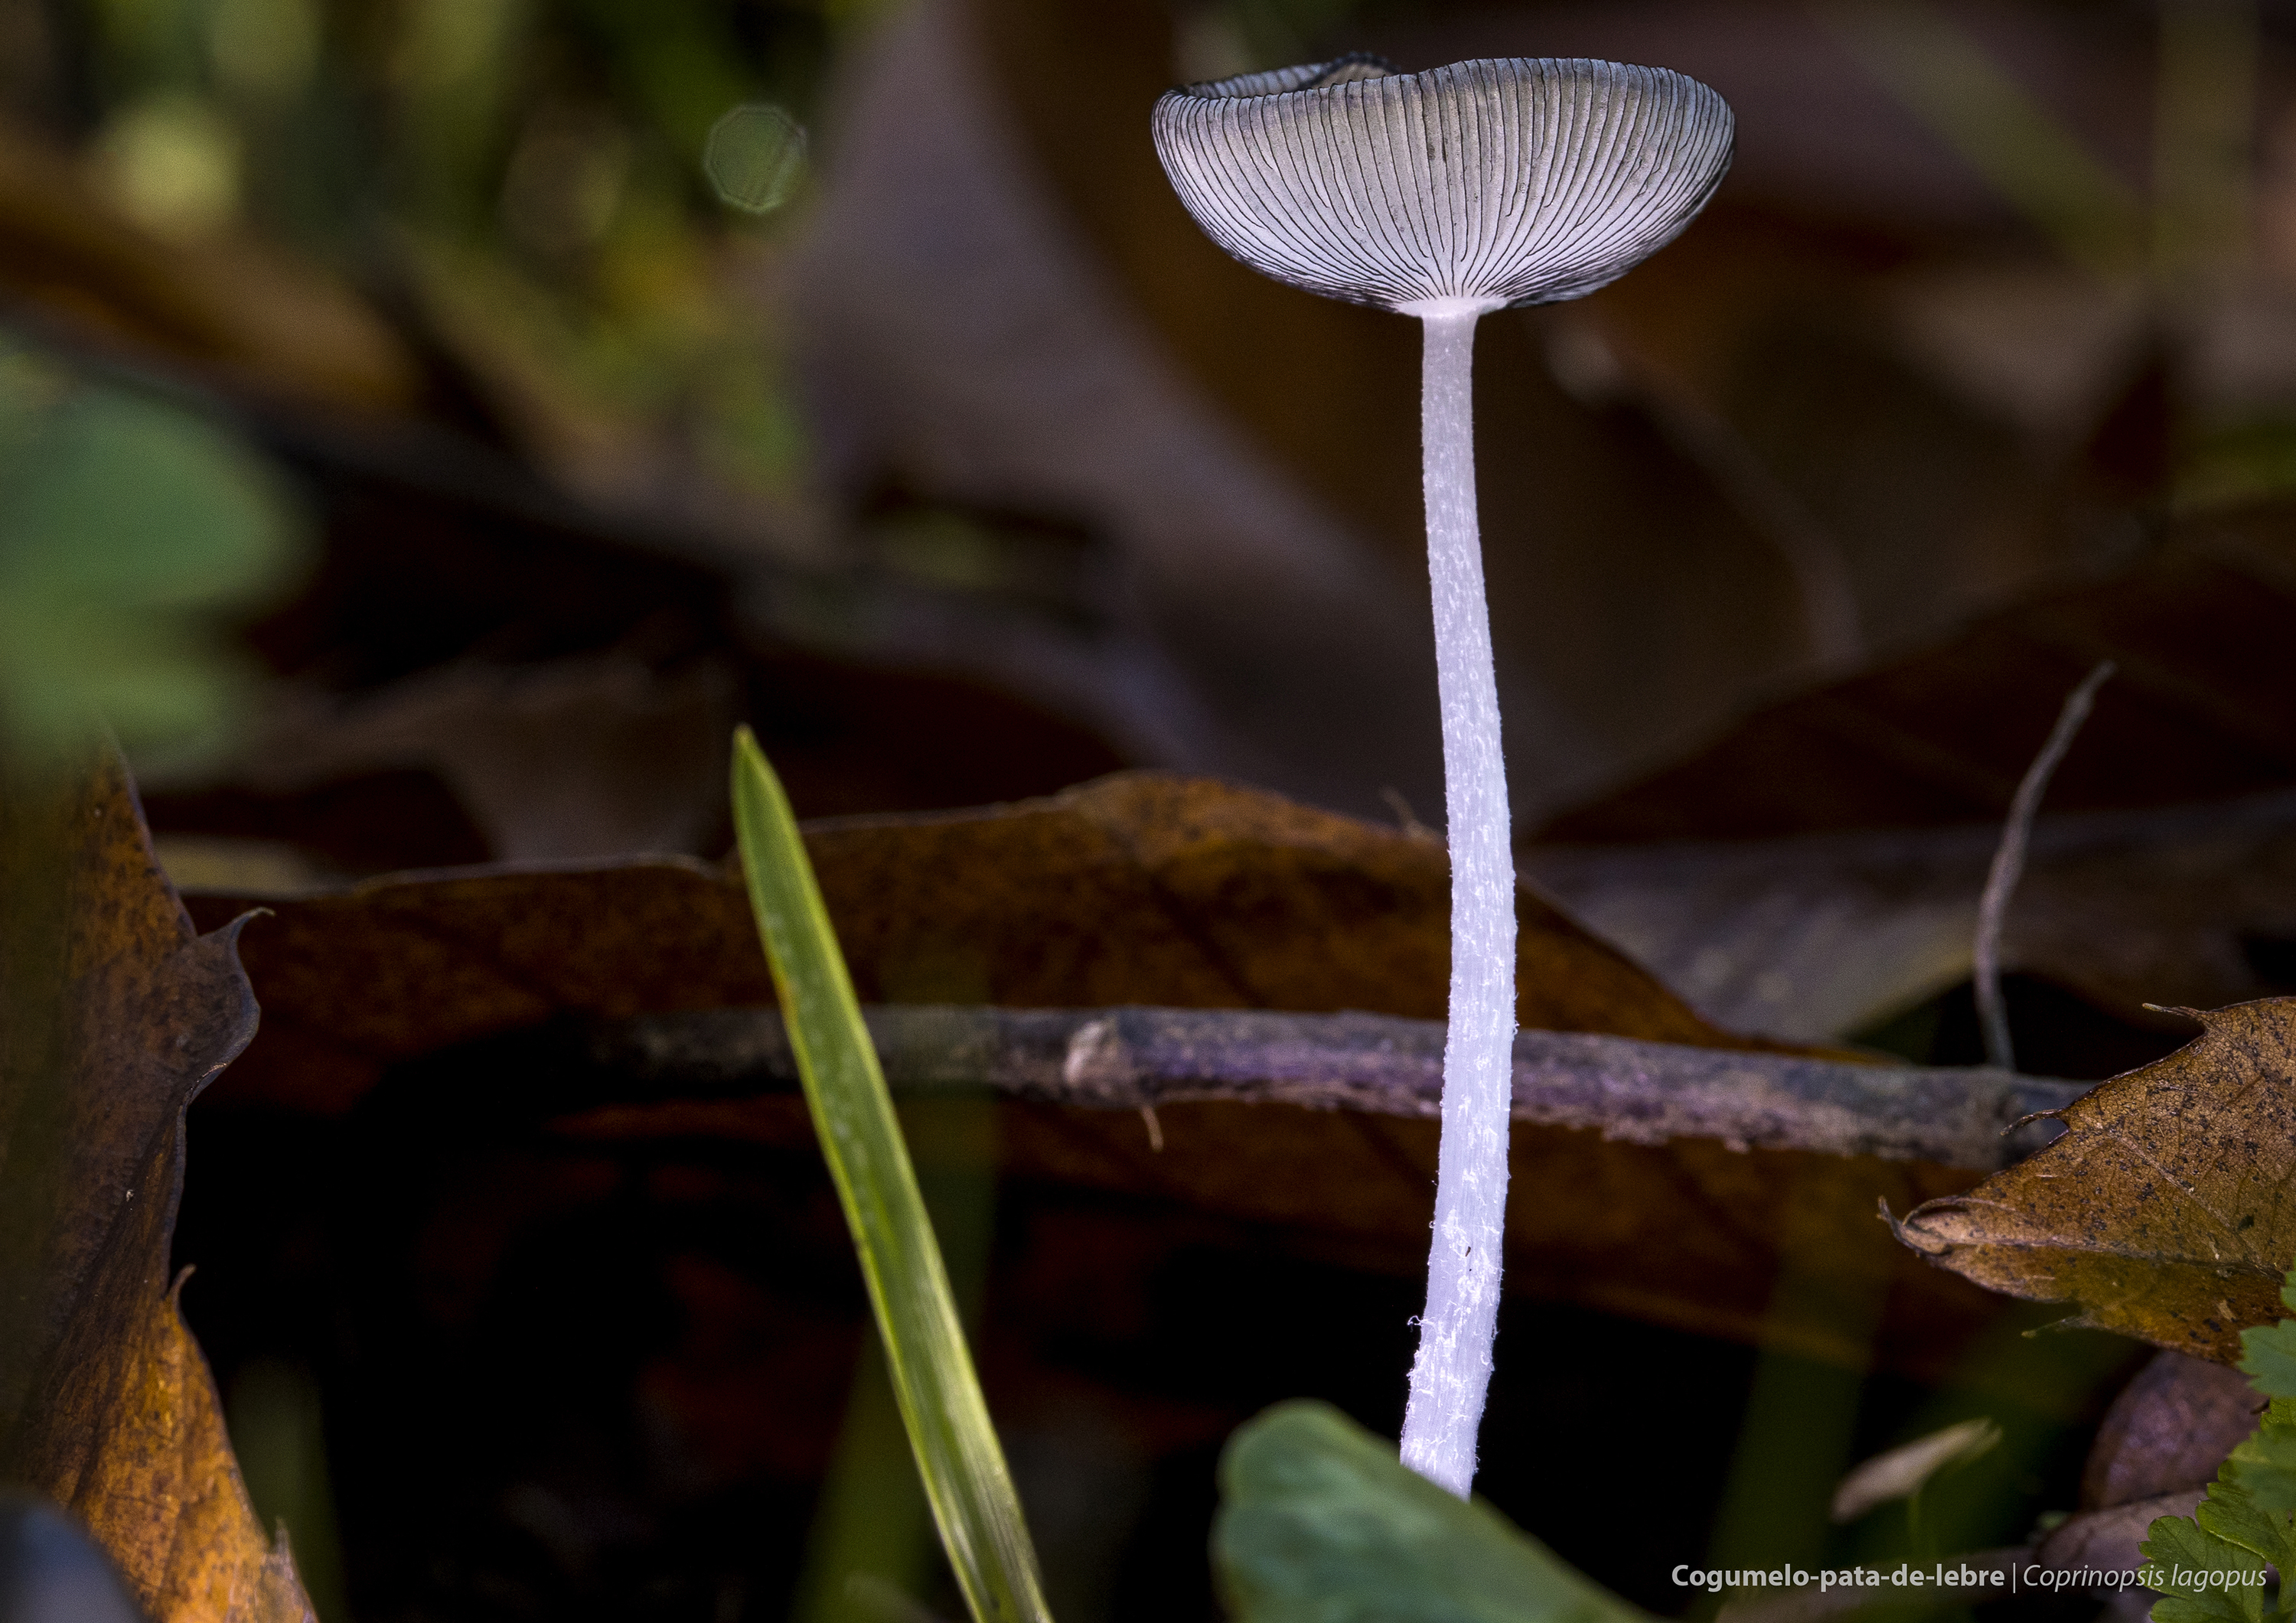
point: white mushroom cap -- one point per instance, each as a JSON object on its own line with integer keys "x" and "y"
{"x": 1511, "y": 181}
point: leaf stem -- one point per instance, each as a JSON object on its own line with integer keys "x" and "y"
{"x": 1452, "y": 1373}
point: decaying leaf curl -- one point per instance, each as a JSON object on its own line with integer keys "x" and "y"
{"x": 2167, "y": 1210}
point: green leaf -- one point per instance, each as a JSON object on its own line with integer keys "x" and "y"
{"x": 127, "y": 528}
{"x": 2232, "y": 1515}
{"x": 2269, "y": 1355}
{"x": 958, "y": 1456}
{"x": 2248, "y": 1521}
{"x": 2179, "y": 1553}
{"x": 2264, "y": 1467}
{"x": 1320, "y": 1522}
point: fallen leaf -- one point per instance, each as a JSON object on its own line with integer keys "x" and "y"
{"x": 2200, "y": 710}
{"x": 2168, "y": 1430}
{"x": 2166, "y": 1211}
{"x": 1138, "y": 889}
{"x": 116, "y": 1013}
{"x": 1808, "y": 939}
{"x": 2112, "y": 1540}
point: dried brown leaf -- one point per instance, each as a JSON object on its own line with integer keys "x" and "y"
{"x": 1141, "y": 889}
{"x": 1137, "y": 888}
{"x": 2203, "y": 709}
{"x": 114, "y": 1014}
{"x": 2168, "y": 1430}
{"x": 1808, "y": 937}
{"x": 2167, "y": 1210}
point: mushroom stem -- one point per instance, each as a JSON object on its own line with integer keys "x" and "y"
{"x": 1452, "y": 1372}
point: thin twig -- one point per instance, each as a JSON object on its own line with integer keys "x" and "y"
{"x": 1131, "y": 1059}
{"x": 2009, "y": 864}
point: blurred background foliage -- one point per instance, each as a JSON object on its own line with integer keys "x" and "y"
{"x": 1996, "y": 298}
{"x": 131, "y": 533}
{"x": 534, "y": 167}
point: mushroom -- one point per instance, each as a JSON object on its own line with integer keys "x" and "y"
{"x": 1446, "y": 195}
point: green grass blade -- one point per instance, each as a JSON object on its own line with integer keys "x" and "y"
{"x": 958, "y": 1456}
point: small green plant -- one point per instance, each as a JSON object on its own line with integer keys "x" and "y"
{"x": 2209, "y": 1567}
{"x": 966, "y": 1481}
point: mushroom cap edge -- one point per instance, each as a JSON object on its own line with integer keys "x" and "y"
{"x": 1495, "y": 182}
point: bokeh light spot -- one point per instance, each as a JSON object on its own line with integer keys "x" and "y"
{"x": 754, "y": 157}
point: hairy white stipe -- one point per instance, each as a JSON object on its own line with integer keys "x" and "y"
{"x": 1522, "y": 180}
{"x": 1453, "y": 1367}
{"x": 1446, "y": 195}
